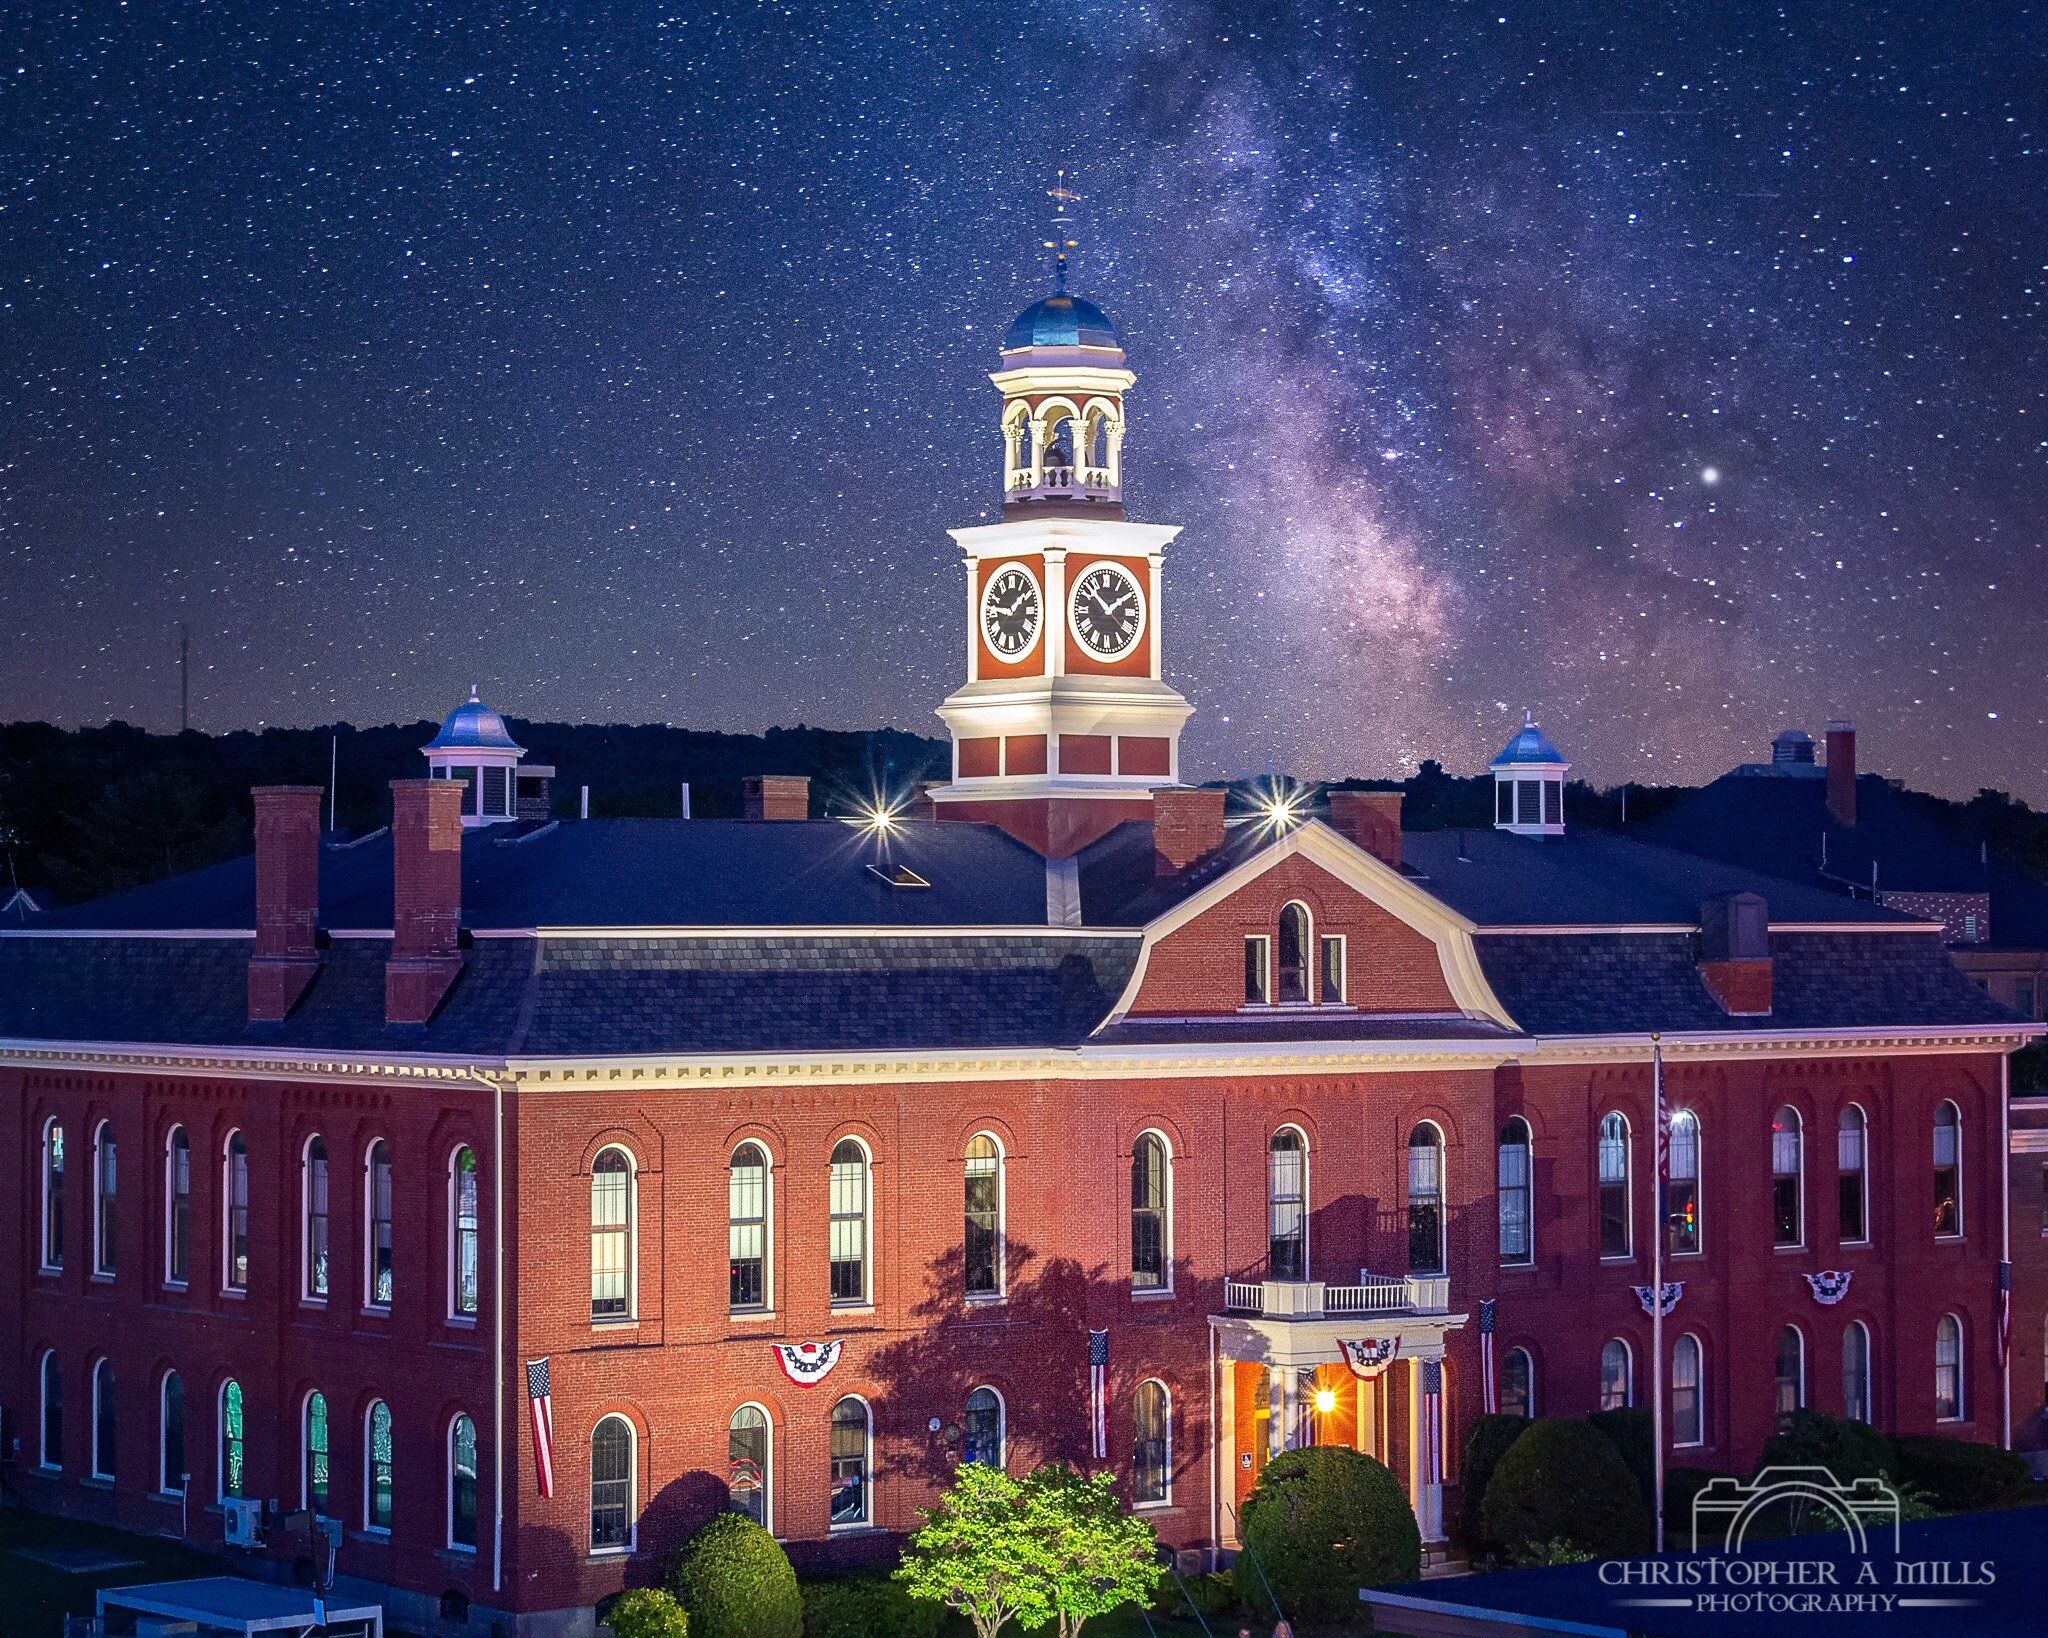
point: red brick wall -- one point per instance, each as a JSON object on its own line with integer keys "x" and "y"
{"x": 1200, "y": 967}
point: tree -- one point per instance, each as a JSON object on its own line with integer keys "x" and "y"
{"x": 979, "y": 1553}
{"x": 734, "y": 1580}
{"x": 1097, "y": 1556}
{"x": 1322, "y": 1523}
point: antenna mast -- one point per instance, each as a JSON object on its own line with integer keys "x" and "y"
{"x": 184, "y": 677}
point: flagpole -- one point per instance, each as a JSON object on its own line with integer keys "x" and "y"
{"x": 1657, "y": 1232}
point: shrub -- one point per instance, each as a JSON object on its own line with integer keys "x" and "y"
{"x": 734, "y": 1580}
{"x": 1960, "y": 1475}
{"x": 1489, "y": 1440}
{"x": 1849, "y": 1450}
{"x": 647, "y": 1612}
{"x": 1633, "y": 1433}
{"x": 867, "y": 1607}
{"x": 1323, "y": 1523}
{"x": 1565, "y": 1479}
{"x": 1547, "y": 1554}
{"x": 1681, "y": 1485}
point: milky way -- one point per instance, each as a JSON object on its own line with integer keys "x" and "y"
{"x": 1673, "y": 370}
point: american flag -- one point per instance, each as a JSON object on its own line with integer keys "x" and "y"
{"x": 1098, "y": 1393}
{"x": 1662, "y": 1224}
{"x": 2004, "y": 1315}
{"x": 1489, "y": 1389}
{"x": 1432, "y": 1421}
{"x": 541, "y": 1403}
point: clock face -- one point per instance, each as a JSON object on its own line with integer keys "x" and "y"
{"x": 1011, "y": 612}
{"x": 1107, "y": 611}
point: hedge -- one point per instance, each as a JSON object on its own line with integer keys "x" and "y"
{"x": 1488, "y": 1440}
{"x": 1961, "y": 1475}
{"x": 1633, "y": 1433}
{"x": 646, "y": 1612}
{"x": 1848, "y": 1449}
{"x": 867, "y": 1607}
{"x": 734, "y": 1580}
{"x": 1324, "y": 1522}
{"x": 1565, "y": 1480}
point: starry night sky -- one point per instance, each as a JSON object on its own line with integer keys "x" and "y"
{"x": 1673, "y": 369}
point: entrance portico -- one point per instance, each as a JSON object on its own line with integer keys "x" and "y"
{"x": 1283, "y": 1381}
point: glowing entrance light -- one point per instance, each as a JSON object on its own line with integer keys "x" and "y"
{"x": 1326, "y": 1401}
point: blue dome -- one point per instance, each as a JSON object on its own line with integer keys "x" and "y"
{"x": 1530, "y": 745}
{"x": 1060, "y": 321}
{"x": 473, "y": 724}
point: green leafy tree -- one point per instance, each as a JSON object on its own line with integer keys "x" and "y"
{"x": 979, "y": 1552}
{"x": 647, "y": 1612}
{"x": 1096, "y": 1555}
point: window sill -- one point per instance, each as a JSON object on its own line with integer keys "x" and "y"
{"x": 1153, "y": 1507}
{"x": 986, "y": 1299}
{"x": 602, "y": 1555}
{"x": 168, "y": 1496}
{"x": 1162, "y": 1293}
{"x": 1618, "y": 1260}
{"x": 46, "y": 1471}
{"x": 456, "y": 1555}
{"x": 625, "y": 1323}
{"x": 861, "y": 1529}
{"x": 317, "y": 1303}
{"x": 239, "y": 1293}
{"x": 749, "y": 1316}
{"x": 853, "y": 1308}
{"x": 50, "y": 1271}
{"x": 371, "y": 1536}
{"x": 178, "y": 1286}
{"x": 462, "y": 1322}
{"x": 1950, "y": 1239}
{"x": 101, "y": 1276}
{"x": 97, "y": 1481}
{"x": 375, "y": 1310}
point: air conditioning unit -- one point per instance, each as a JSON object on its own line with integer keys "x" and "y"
{"x": 244, "y": 1520}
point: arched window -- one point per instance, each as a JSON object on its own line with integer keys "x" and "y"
{"x": 103, "y": 1421}
{"x": 465, "y": 1239}
{"x": 749, "y": 1455}
{"x": 314, "y": 1466}
{"x": 1948, "y": 1369}
{"x": 1151, "y": 1252}
{"x": 611, "y": 1236}
{"x": 1291, "y": 970}
{"x": 1856, "y": 1372}
{"x": 982, "y": 1430}
{"x": 177, "y": 1207}
{"x": 984, "y": 1216}
{"x": 1851, "y": 1185}
{"x": 53, "y": 1195}
{"x": 1513, "y": 1192}
{"x": 1425, "y": 1199}
{"x": 377, "y": 1486}
{"x": 1617, "y": 1376}
{"x": 850, "y": 1481}
{"x": 1287, "y": 1206}
{"x": 104, "y": 1218}
{"x": 1517, "y": 1383}
{"x": 1688, "y": 1398}
{"x": 170, "y": 1444}
{"x": 228, "y": 1480}
{"x": 1616, "y": 1237}
{"x": 848, "y": 1247}
{"x": 1790, "y": 1373}
{"x": 1948, "y": 1170}
{"x": 1788, "y": 1157}
{"x": 1151, "y": 1445}
{"x": 746, "y": 1229}
{"x": 462, "y": 1484}
{"x": 611, "y": 1486}
{"x": 313, "y": 1198}
{"x": 1683, "y": 1226}
{"x": 234, "y": 1209}
{"x": 377, "y": 1257}
{"x": 50, "y": 1451}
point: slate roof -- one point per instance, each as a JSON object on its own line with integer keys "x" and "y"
{"x": 641, "y": 873}
{"x": 1593, "y": 878}
{"x": 610, "y": 996}
{"x": 1589, "y": 984}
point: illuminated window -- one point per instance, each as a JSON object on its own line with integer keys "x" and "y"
{"x": 234, "y": 1202}
{"x": 1683, "y": 1194}
{"x": 230, "y": 1476}
{"x": 377, "y": 1485}
{"x": 465, "y": 1237}
{"x": 1616, "y": 1239}
{"x": 313, "y": 1187}
{"x": 1948, "y": 1171}
{"x": 315, "y": 1473}
{"x": 1787, "y": 1178}
{"x": 1948, "y": 1369}
{"x": 377, "y": 1223}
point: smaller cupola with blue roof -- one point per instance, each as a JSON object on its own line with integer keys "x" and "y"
{"x": 1528, "y": 784}
{"x": 475, "y": 746}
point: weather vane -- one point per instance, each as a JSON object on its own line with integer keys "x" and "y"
{"x": 1061, "y": 196}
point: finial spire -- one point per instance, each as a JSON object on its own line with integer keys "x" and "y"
{"x": 1059, "y": 244}
{"x": 473, "y": 700}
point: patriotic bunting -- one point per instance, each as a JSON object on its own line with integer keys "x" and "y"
{"x": 805, "y": 1363}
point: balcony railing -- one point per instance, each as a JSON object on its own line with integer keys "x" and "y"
{"x": 1312, "y": 1299}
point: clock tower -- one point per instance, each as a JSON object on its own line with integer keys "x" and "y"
{"x": 1063, "y": 727}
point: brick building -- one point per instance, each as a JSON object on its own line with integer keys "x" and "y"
{"x": 810, "y": 1155}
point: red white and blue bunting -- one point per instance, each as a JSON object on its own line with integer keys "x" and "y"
{"x": 805, "y": 1363}
{"x": 1673, "y": 1290}
{"x": 1368, "y": 1356}
{"x": 1830, "y": 1285}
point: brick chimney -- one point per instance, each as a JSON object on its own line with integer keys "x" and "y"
{"x": 1842, "y": 772}
{"x": 1735, "y": 953}
{"x": 1370, "y": 820}
{"x": 287, "y": 899}
{"x": 775, "y": 796}
{"x": 426, "y": 898}
{"x": 1187, "y": 826}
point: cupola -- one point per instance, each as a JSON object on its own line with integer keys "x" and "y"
{"x": 475, "y": 746}
{"x": 1528, "y": 784}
